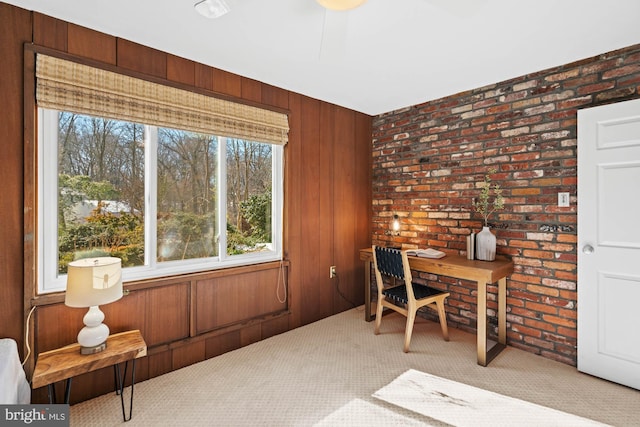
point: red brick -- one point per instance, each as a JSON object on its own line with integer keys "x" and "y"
{"x": 568, "y": 323}
{"x": 546, "y": 326}
{"x": 542, "y": 308}
{"x": 527, "y": 331}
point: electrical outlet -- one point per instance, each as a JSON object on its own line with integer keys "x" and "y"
{"x": 332, "y": 272}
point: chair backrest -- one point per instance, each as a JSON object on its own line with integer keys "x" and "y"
{"x": 393, "y": 263}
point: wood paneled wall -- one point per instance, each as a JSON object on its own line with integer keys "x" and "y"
{"x": 190, "y": 318}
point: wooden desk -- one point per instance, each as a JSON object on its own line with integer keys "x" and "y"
{"x": 67, "y": 362}
{"x": 482, "y": 272}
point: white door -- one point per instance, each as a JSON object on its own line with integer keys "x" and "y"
{"x": 609, "y": 242}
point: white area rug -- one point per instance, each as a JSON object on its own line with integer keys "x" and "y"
{"x": 359, "y": 413}
{"x": 462, "y": 405}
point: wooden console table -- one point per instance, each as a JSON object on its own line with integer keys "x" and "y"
{"x": 67, "y": 362}
{"x": 482, "y": 272}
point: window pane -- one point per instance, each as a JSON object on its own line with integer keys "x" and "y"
{"x": 186, "y": 186}
{"x": 153, "y": 197}
{"x": 249, "y": 188}
{"x": 100, "y": 189}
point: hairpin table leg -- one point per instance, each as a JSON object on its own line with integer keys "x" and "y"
{"x": 120, "y": 380}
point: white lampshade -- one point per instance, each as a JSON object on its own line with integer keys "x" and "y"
{"x": 93, "y": 281}
{"x": 341, "y": 4}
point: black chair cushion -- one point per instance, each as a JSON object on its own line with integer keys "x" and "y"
{"x": 399, "y": 293}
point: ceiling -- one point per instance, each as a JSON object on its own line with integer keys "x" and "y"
{"x": 384, "y": 55}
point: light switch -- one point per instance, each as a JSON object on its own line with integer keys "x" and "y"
{"x": 563, "y": 200}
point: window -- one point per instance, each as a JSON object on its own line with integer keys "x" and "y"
{"x": 156, "y": 197}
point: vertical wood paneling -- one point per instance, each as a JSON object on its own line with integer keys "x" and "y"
{"x": 142, "y": 59}
{"x": 203, "y": 77}
{"x": 274, "y": 327}
{"x": 251, "y": 90}
{"x": 188, "y": 354}
{"x": 311, "y": 219}
{"x": 14, "y": 32}
{"x": 57, "y": 325}
{"x": 326, "y": 287}
{"x": 275, "y": 96}
{"x": 227, "y": 300}
{"x": 91, "y": 44}
{"x": 344, "y": 214}
{"x": 250, "y": 335}
{"x": 159, "y": 363}
{"x": 363, "y": 205}
{"x": 49, "y": 32}
{"x": 29, "y": 200}
{"x": 127, "y": 313}
{"x": 221, "y": 344}
{"x": 180, "y": 70}
{"x": 293, "y": 208}
{"x": 227, "y": 83}
{"x": 167, "y": 314}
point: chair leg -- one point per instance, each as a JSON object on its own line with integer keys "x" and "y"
{"x": 442, "y": 315}
{"x": 411, "y": 317}
{"x": 379, "y": 309}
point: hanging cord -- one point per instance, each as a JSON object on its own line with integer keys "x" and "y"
{"x": 344, "y": 297}
{"x": 284, "y": 284}
{"x": 26, "y": 335}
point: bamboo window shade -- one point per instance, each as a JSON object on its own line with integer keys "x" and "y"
{"x": 69, "y": 86}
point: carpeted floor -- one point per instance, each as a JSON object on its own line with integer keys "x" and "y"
{"x": 303, "y": 377}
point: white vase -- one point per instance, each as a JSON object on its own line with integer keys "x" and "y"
{"x": 485, "y": 245}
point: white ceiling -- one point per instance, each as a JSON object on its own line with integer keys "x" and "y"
{"x": 385, "y": 55}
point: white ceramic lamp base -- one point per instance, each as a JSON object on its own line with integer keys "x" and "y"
{"x": 93, "y": 337}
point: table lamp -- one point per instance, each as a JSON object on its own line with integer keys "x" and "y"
{"x": 92, "y": 282}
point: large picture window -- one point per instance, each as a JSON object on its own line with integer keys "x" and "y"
{"x": 155, "y": 197}
{"x": 170, "y": 181}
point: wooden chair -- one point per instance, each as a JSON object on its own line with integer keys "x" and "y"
{"x": 394, "y": 264}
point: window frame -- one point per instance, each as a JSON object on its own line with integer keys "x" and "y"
{"x": 48, "y": 279}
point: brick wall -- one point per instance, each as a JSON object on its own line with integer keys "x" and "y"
{"x": 428, "y": 160}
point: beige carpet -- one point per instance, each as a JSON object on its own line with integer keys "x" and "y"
{"x": 319, "y": 373}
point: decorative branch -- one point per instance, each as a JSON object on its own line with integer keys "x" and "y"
{"x": 483, "y": 204}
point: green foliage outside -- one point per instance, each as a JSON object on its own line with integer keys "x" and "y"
{"x": 121, "y": 234}
{"x": 256, "y": 212}
{"x": 103, "y": 234}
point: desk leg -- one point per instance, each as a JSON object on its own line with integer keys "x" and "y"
{"x": 120, "y": 380}
{"x": 502, "y": 311}
{"x": 482, "y": 323}
{"x": 367, "y": 291}
{"x": 486, "y": 355}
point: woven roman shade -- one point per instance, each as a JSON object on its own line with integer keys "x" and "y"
{"x": 69, "y": 86}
